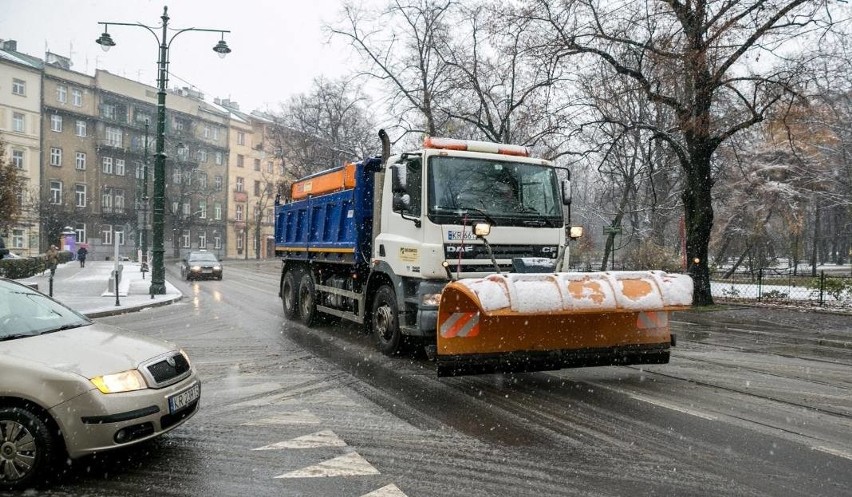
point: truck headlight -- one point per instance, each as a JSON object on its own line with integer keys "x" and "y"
{"x": 126, "y": 381}
{"x": 431, "y": 299}
{"x": 481, "y": 229}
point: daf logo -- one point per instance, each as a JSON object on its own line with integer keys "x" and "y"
{"x": 454, "y": 248}
{"x": 548, "y": 250}
{"x": 170, "y": 361}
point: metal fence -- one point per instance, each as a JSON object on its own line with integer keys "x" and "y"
{"x": 774, "y": 286}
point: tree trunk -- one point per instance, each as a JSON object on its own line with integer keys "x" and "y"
{"x": 699, "y": 221}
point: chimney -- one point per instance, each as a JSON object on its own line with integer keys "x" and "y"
{"x": 10, "y": 45}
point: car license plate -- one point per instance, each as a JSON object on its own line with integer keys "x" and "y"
{"x": 207, "y": 271}
{"x": 181, "y": 400}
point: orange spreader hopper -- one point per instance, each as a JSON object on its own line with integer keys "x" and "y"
{"x": 332, "y": 180}
{"x": 535, "y": 322}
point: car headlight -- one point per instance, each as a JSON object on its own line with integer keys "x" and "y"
{"x": 217, "y": 268}
{"x": 185, "y": 356}
{"x": 126, "y": 381}
{"x": 196, "y": 268}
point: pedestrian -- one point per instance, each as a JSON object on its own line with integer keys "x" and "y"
{"x": 82, "y": 252}
{"x": 52, "y": 259}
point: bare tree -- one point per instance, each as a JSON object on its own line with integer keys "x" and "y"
{"x": 11, "y": 183}
{"x": 401, "y": 45}
{"x": 322, "y": 129}
{"x": 692, "y": 57}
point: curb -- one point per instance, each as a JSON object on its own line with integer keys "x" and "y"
{"x": 125, "y": 310}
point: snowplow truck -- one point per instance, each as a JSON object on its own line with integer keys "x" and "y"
{"x": 459, "y": 247}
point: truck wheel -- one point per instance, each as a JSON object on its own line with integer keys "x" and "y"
{"x": 307, "y": 300}
{"x": 385, "y": 322}
{"x": 26, "y": 448}
{"x": 290, "y": 294}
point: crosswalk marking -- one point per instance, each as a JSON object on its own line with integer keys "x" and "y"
{"x": 303, "y": 417}
{"x": 386, "y": 491}
{"x": 325, "y": 438}
{"x": 351, "y": 464}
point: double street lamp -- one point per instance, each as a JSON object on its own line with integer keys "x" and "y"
{"x": 158, "y": 270}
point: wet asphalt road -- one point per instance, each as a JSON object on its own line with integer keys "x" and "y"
{"x": 757, "y": 408}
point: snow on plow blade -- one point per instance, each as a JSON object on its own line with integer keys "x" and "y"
{"x": 536, "y": 322}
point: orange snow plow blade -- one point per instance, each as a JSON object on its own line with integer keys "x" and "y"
{"x": 536, "y": 322}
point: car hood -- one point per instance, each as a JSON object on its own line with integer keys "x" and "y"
{"x": 89, "y": 351}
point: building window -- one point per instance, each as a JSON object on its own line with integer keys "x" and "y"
{"x": 106, "y": 165}
{"x": 240, "y": 184}
{"x": 140, "y": 170}
{"x": 107, "y": 234}
{"x": 80, "y": 196}
{"x": 118, "y": 202}
{"x": 62, "y": 94}
{"x": 184, "y": 238}
{"x": 187, "y": 208}
{"x": 80, "y": 162}
{"x": 18, "y": 158}
{"x": 77, "y": 97}
{"x": 202, "y": 155}
{"x": 113, "y": 136}
{"x": 217, "y": 242}
{"x": 187, "y": 177}
{"x": 238, "y": 213}
{"x": 106, "y": 201}
{"x": 217, "y": 211}
{"x": 257, "y": 188}
{"x": 18, "y": 122}
{"x": 257, "y": 164}
{"x": 202, "y": 209}
{"x": 270, "y": 216}
{"x": 80, "y": 229}
{"x": 240, "y": 160}
{"x": 55, "y": 156}
{"x": 56, "y": 123}
{"x": 207, "y": 131}
{"x": 55, "y": 192}
{"x": 269, "y": 167}
{"x": 218, "y": 158}
{"x": 19, "y": 86}
{"x": 108, "y": 111}
{"x": 18, "y": 237}
{"x": 119, "y": 167}
{"x": 202, "y": 240}
{"x": 80, "y": 128}
{"x": 241, "y": 138}
{"x": 240, "y": 243}
{"x": 215, "y": 133}
{"x": 218, "y": 183}
{"x": 177, "y": 176}
{"x": 202, "y": 180}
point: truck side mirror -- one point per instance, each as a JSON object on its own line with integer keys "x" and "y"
{"x": 398, "y": 178}
{"x": 401, "y": 201}
{"x": 566, "y": 192}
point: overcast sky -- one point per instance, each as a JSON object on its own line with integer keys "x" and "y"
{"x": 278, "y": 46}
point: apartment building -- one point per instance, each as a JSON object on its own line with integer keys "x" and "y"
{"x": 254, "y": 176}
{"x": 20, "y": 129}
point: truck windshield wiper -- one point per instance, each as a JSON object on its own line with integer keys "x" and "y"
{"x": 464, "y": 210}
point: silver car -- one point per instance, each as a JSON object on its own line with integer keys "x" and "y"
{"x": 73, "y": 387}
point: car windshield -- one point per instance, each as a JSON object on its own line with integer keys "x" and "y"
{"x": 202, "y": 257}
{"x": 26, "y": 312}
{"x": 507, "y": 191}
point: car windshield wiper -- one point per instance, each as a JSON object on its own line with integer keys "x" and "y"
{"x": 465, "y": 210}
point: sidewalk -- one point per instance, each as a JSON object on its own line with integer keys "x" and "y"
{"x": 87, "y": 290}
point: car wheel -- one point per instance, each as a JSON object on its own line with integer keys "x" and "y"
{"x": 307, "y": 299}
{"x": 26, "y": 448}
{"x": 290, "y": 294}
{"x": 384, "y": 322}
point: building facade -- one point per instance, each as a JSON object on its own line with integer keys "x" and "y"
{"x": 20, "y": 129}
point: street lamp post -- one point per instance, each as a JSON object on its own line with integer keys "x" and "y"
{"x": 158, "y": 270}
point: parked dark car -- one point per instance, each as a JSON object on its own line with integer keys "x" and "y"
{"x": 200, "y": 264}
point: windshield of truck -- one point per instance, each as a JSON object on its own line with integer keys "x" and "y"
{"x": 504, "y": 192}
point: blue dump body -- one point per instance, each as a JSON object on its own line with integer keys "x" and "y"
{"x": 332, "y": 226}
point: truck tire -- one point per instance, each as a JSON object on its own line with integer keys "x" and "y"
{"x": 384, "y": 322}
{"x": 290, "y": 294}
{"x": 28, "y": 449}
{"x": 307, "y": 299}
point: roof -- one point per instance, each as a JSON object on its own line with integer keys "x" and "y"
{"x": 22, "y": 59}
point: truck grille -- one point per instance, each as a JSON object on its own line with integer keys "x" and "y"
{"x": 167, "y": 370}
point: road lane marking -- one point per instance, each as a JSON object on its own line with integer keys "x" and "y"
{"x": 325, "y": 438}
{"x": 673, "y": 407}
{"x": 303, "y": 417}
{"x": 386, "y": 491}
{"x": 351, "y": 464}
{"x": 834, "y": 452}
